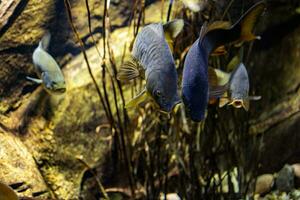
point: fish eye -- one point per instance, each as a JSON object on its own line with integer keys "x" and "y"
{"x": 157, "y": 93}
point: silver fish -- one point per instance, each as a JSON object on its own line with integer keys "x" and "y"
{"x": 238, "y": 88}
{"x": 47, "y": 69}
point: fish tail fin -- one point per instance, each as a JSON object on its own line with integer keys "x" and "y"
{"x": 172, "y": 30}
{"x": 248, "y": 21}
{"x": 45, "y": 41}
{"x": 129, "y": 71}
{"x": 174, "y": 27}
{"x": 220, "y": 33}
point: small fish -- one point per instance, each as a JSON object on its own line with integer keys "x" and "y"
{"x": 195, "y": 86}
{"x": 237, "y": 94}
{"x": 48, "y": 71}
{"x": 152, "y": 58}
{"x": 195, "y": 5}
{"x": 7, "y": 193}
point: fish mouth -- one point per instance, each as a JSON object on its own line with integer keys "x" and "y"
{"x": 237, "y": 103}
{"x": 169, "y": 109}
{"x": 60, "y": 90}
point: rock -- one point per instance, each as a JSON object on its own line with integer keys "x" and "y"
{"x": 296, "y": 168}
{"x": 285, "y": 179}
{"x": 170, "y": 196}
{"x": 18, "y": 166}
{"x": 264, "y": 183}
{"x": 7, "y": 193}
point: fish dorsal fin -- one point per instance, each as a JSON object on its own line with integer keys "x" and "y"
{"x": 7, "y": 193}
{"x": 203, "y": 30}
{"x": 248, "y": 21}
{"x": 173, "y": 28}
{"x": 45, "y": 41}
{"x": 131, "y": 69}
{"x": 206, "y": 28}
{"x": 141, "y": 97}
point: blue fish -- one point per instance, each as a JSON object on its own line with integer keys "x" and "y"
{"x": 152, "y": 59}
{"x": 195, "y": 87}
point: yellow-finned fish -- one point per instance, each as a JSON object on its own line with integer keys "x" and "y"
{"x": 47, "y": 69}
{"x": 237, "y": 93}
{"x": 195, "y": 85}
{"x": 152, "y": 58}
{"x": 7, "y": 193}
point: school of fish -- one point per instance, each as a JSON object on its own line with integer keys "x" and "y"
{"x": 152, "y": 59}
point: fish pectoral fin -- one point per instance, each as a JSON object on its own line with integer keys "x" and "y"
{"x": 141, "y": 97}
{"x": 173, "y": 28}
{"x": 221, "y": 50}
{"x": 129, "y": 70}
{"x": 36, "y": 80}
{"x": 246, "y": 104}
{"x": 254, "y": 98}
{"x": 223, "y": 101}
{"x": 217, "y": 91}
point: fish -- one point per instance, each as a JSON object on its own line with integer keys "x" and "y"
{"x": 7, "y": 193}
{"x": 47, "y": 69}
{"x": 195, "y": 5}
{"x": 195, "y": 87}
{"x": 152, "y": 59}
{"x": 237, "y": 93}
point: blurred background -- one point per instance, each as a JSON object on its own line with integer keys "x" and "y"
{"x": 85, "y": 145}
